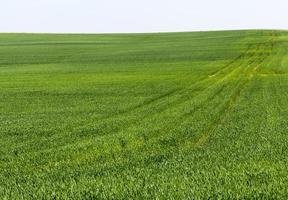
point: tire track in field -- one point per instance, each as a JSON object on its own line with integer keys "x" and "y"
{"x": 180, "y": 92}
{"x": 236, "y": 94}
{"x": 217, "y": 82}
{"x": 185, "y": 92}
{"x": 119, "y": 128}
{"x": 131, "y": 123}
{"x": 239, "y": 87}
{"x": 250, "y": 61}
{"x": 185, "y": 116}
{"x": 206, "y": 136}
{"x": 151, "y": 101}
{"x": 182, "y": 98}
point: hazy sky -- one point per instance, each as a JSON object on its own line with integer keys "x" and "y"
{"x": 100, "y": 16}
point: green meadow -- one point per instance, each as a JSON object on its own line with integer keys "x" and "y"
{"x": 200, "y": 115}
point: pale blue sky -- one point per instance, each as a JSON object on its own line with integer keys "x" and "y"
{"x": 102, "y": 16}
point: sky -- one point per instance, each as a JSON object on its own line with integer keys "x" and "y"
{"x": 115, "y": 16}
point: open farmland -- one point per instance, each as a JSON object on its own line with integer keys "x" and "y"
{"x": 199, "y": 115}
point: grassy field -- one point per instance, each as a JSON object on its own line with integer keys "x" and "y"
{"x": 199, "y": 115}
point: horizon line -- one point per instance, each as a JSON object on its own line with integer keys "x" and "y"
{"x": 149, "y": 32}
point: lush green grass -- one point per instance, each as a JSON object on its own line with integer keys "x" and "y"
{"x": 144, "y": 116}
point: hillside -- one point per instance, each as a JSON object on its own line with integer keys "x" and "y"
{"x": 144, "y": 116}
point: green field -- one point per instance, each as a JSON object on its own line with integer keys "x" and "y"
{"x": 200, "y": 115}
